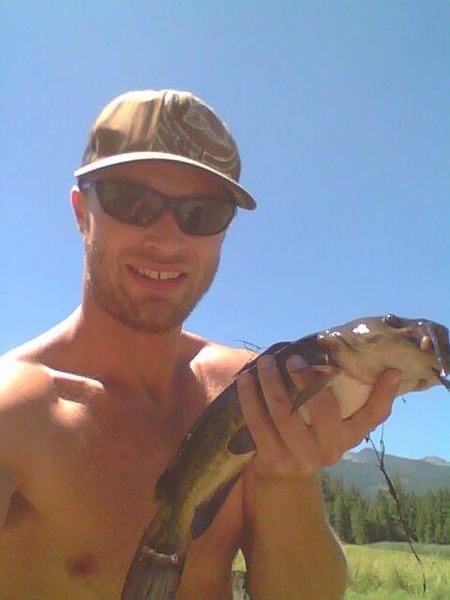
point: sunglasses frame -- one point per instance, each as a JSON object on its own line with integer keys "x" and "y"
{"x": 170, "y": 204}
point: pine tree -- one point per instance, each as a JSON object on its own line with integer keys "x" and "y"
{"x": 327, "y": 492}
{"x": 341, "y": 519}
{"x": 410, "y": 512}
{"x": 446, "y": 528}
{"x": 359, "y": 522}
{"x": 427, "y": 518}
{"x": 378, "y": 514}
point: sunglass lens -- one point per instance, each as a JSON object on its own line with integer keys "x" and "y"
{"x": 128, "y": 202}
{"x": 204, "y": 216}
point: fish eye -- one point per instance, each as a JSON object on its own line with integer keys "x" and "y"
{"x": 393, "y": 321}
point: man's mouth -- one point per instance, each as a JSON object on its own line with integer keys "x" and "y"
{"x": 157, "y": 275}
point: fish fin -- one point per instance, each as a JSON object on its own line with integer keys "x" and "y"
{"x": 157, "y": 566}
{"x": 313, "y": 388}
{"x": 274, "y": 348}
{"x": 241, "y": 442}
{"x": 151, "y": 579}
{"x": 271, "y": 350}
{"x": 205, "y": 513}
{"x": 166, "y": 485}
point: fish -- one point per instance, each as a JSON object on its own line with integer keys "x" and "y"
{"x": 190, "y": 492}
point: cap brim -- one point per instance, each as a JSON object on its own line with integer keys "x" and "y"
{"x": 240, "y": 195}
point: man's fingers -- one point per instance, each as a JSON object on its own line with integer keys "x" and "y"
{"x": 299, "y": 439}
{"x": 256, "y": 414}
{"x": 277, "y": 397}
{"x": 376, "y": 410}
{"x": 322, "y": 412}
{"x": 326, "y": 423}
{"x": 280, "y": 436}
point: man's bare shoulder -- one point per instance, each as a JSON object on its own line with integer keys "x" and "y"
{"x": 220, "y": 362}
{"x": 27, "y": 389}
{"x": 227, "y": 355}
{"x": 23, "y": 384}
{"x": 25, "y": 392}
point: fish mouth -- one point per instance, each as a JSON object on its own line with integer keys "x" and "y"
{"x": 436, "y": 336}
{"x": 436, "y": 339}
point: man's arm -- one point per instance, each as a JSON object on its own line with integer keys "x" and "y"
{"x": 7, "y": 488}
{"x": 290, "y": 549}
{"x": 24, "y": 392}
{"x": 8, "y": 373}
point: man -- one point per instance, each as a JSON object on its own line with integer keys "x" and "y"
{"x": 92, "y": 411}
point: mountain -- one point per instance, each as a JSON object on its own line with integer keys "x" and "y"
{"x": 361, "y": 470}
{"x": 435, "y": 460}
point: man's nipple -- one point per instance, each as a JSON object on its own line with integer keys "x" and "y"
{"x": 81, "y": 566}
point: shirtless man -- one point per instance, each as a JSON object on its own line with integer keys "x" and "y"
{"x": 92, "y": 411}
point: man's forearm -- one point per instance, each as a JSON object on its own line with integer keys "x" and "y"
{"x": 294, "y": 553}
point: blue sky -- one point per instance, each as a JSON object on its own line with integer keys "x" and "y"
{"x": 341, "y": 110}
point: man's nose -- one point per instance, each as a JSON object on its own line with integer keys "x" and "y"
{"x": 165, "y": 232}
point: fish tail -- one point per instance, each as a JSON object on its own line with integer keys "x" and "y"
{"x": 157, "y": 567}
{"x": 152, "y": 578}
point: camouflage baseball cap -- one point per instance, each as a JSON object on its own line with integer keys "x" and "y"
{"x": 165, "y": 125}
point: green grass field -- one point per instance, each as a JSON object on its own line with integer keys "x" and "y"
{"x": 388, "y": 571}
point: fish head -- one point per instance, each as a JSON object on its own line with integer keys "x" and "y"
{"x": 364, "y": 348}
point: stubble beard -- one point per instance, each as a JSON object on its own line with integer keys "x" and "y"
{"x": 149, "y": 315}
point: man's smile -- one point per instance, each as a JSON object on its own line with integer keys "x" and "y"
{"x": 160, "y": 277}
{"x": 157, "y": 274}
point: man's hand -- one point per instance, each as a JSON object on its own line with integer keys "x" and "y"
{"x": 288, "y": 544}
{"x": 286, "y": 446}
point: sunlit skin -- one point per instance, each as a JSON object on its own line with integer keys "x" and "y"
{"x": 93, "y": 411}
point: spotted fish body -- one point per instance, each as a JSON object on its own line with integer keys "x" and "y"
{"x": 192, "y": 490}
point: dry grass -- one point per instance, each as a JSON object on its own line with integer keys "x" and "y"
{"x": 388, "y": 572}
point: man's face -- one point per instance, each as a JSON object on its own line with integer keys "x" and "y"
{"x": 150, "y": 278}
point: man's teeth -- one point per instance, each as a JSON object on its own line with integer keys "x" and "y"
{"x": 163, "y": 275}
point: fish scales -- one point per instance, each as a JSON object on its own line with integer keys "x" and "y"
{"x": 210, "y": 459}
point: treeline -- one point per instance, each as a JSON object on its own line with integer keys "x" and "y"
{"x": 360, "y": 521}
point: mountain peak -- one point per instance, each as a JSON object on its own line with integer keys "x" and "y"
{"x": 359, "y": 468}
{"x": 435, "y": 460}
{"x": 365, "y": 455}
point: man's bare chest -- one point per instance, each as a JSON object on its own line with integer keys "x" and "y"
{"x": 90, "y": 486}
{"x": 100, "y": 466}
{"x": 89, "y": 489}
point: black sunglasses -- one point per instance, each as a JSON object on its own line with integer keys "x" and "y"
{"x": 139, "y": 205}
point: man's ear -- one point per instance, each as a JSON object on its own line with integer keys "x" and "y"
{"x": 79, "y": 208}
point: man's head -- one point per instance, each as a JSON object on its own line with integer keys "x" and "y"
{"x": 158, "y": 188}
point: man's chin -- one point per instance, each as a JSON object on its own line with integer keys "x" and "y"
{"x": 154, "y": 323}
